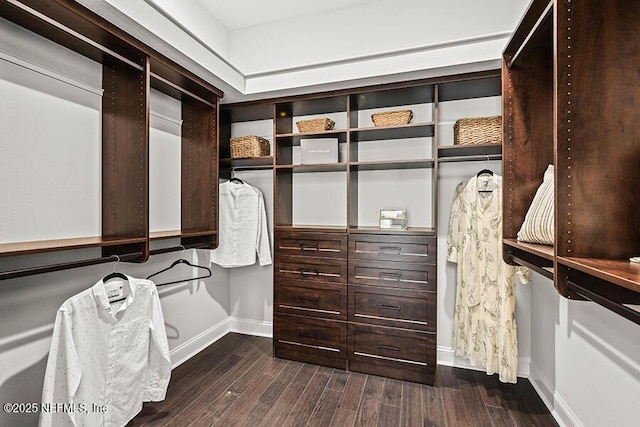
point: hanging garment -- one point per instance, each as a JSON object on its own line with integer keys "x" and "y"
{"x": 484, "y": 322}
{"x": 106, "y": 358}
{"x": 243, "y": 227}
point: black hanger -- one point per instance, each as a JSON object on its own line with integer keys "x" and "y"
{"x": 235, "y": 179}
{"x": 205, "y": 274}
{"x": 485, "y": 172}
{"x": 115, "y": 274}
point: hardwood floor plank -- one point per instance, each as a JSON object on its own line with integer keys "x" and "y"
{"x": 353, "y": 391}
{"x": 305, "y": 405}
{"x": 411, "y": 404}
{"x": 392, "y": 392}
{"x": 433, "y": 413}
{"x": 370, "y": 402}
{"x": 237, "y": 382}
{"x": 325, "y": 409}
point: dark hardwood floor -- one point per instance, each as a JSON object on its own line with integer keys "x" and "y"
{"x": 237, "y": 382}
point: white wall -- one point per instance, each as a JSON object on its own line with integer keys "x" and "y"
{"x": 585, "y": 360}
{"x": 50, "y": 173}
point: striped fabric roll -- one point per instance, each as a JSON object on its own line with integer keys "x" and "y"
{"x": 538, "y": 226}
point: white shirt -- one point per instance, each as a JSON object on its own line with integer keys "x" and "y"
{"x": 243, "y": 227}
{"x": 106, "y": 356}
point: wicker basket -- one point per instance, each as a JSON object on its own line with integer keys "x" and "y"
{"x": 315, "y": 125}
{"x": 478, "y": 130}
{"x": 392, "y": 118}
{"x": 249, "y": 146}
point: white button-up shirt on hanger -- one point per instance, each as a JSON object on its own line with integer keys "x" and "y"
{"x": 106, "y": 358}
{"x": 243, "y": 227}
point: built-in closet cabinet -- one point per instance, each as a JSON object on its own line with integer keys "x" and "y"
{"x": 571, "y": 99}
{"x": 348, "y": 294}
{"x": 129, "y": 70}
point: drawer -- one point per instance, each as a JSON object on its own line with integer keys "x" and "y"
{"x": 296, "y": 243}
{"x": 311, "y": 269}
{"x": 404, "y": 275}
{"x": 393, "y": 248}
{"x": 317, "y": 299}
{"x": 319, "y": 341}
{"x": 393, "y": 307}
{"x": 390, "y": 352}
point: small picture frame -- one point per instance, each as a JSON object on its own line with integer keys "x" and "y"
{"x": 393, "y": 219}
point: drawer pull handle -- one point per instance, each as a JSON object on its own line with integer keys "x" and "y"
{"x": 389, "y": 307}
{"x": 313, "y": 271}
{"x": 305, "y": 335}
{"x": 389, "y": 347}
{"x": 386, "y": 274}
{"x": 310, "y": 299}
{"x": 308, "y": 246}
{"x": 394, "y": 249}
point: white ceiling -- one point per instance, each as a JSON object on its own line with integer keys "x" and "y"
{"x": 235, "y": 14}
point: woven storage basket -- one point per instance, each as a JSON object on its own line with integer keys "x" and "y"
{"x": 478, "y": 130}
{"x": 392, "y": 118}
{"x": 315, "y": 125}
{"x": 249, "y": 146}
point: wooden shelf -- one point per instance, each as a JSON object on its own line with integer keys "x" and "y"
{"x": 41, "y": 246}
{"x": 542, "y": 251}
{"x": 160, "y": 235}
{"x": 389, "y": 165}
{"x": 445, "y": 151}
{"x": 294, "y": 138}
{"x": 620, "y": 272}
{"x": 410, "y": 231}
{"x": 314, "y": 228}
{"x": 414, "y": 130}
{"x": 326, "y": 167}
{"x": 264, "y": 162}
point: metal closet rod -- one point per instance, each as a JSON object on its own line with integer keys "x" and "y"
{"x": 29, "y": 271}
{"x": 616, "y": 307}
{"x": 485, "y": 157}
{"x": 181, "y": 248}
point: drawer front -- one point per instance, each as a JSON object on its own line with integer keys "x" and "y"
{"x": 311, "y": 269}
{"x": 393, "y": 248}
{"x": 309, "y": 335}
{"x": 327, "y": 300}
{"x": 393, "y": 307}
{"x": 332, "y": 245}
{"x": 394, "y": 353}
{"x": 393, "y": 274}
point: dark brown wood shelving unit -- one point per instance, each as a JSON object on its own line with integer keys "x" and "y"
{"x": 585, "y": 123}
{"x": 129, "y": 70}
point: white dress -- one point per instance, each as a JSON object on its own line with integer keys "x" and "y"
{"x": 484, "y": 322}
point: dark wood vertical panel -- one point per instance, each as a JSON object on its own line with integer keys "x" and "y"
{"x": 199, "y": 166}
{"x": 125, "y": 154}
{"x": 283, "y": 198}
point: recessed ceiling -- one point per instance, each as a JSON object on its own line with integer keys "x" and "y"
{"x": 245, "y": 13}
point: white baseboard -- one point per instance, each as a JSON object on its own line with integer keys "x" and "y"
{"x": 560, "y": 410}
{"x": 447, "y": 357}
{"x": 195, "y": 345}
{"x": 251, "y": 327}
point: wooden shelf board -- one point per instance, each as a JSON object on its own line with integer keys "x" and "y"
{"x": 542, "y": 251}
{"x": 413, "y": 130}
{"x": 376, "y": 230}
{"x": 39, "y": 246}
{"x": 294, "y": 138}
{"x": 196, "y": 233}
{"x": 248, "y": 162}
{"x": 468, "y": 150}
{"x": 398, "y": 164}
{"x": 168, "y": 234}
{"x": 315, "y": 228}
{"x": 620, "y": 272}
{"x": 325, "y": 167}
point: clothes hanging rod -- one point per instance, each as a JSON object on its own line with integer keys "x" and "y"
{"x": 616, "y": 307}
{"x": 546, "y": 273}
{"x": 29, "y": 271}
{"x": 246, "y": 168}
{"x": 181, "y": 248}
{"x": 480, "y": 157}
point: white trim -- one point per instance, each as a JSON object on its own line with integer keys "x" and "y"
{"x": 251, "y": 327}
{"x": 560, "y": 410}
{"x": 21, "y": 62}
{"x": 195, "y": 345}
{"x": 447, "y": 357}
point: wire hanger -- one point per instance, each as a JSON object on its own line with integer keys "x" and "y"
{"x": 115, "y": 274}
{"x": 206, "y": 270}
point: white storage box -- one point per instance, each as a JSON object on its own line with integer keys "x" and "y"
{"x": 318, "y": 150}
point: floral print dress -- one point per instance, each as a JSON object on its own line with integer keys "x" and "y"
{"x": 484, "y": 321}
